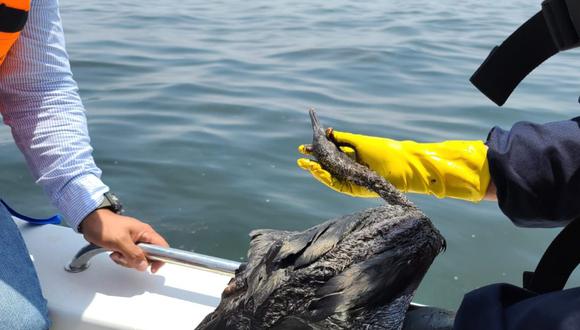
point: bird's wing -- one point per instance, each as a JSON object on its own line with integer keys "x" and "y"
{"x": 304, "y": 248}
{"x": 373, "y": 282}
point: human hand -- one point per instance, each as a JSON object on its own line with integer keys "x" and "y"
{"x": 120, "y": 234}
{"x": 347, "y": 143}
{"x": 456, "y": 169}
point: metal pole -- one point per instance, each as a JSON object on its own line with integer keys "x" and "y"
{"x": 154, "y": 252}
{"x": 189, "y": 259}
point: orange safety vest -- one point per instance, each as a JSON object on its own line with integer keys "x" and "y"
{"x": 13, "y": 15}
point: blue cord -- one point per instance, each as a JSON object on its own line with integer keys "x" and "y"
{"x": 52, "y": 220}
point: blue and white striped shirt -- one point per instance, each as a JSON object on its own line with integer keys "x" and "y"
{"x": 39, "y": 101}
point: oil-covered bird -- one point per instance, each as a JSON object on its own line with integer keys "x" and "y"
{"x": 359, "y": 271}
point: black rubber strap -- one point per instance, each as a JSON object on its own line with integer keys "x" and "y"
{"x": 11, "y": 19}
{"x": 507, "y": 64}
{"x": 557, "y": 263}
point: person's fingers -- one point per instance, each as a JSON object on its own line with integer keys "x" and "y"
{"x": 156, "y": 265}
{"x": 316, "y": 170}
{"x": 327, "y": 179}
{"x": 305, "y": 149}
{"x": 322, "y": 176}
{"x": 346, "y": 138}
{"x": 119, "y": 259}
{"x": 153, "y": 237}
{"x": 308, "y": 164}
{"x": 133, "y": 255}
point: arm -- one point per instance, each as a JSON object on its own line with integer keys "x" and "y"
{"x": 40, "y": 102}
{"x": 491, "y": 194}
{"x": 448, "y": 169}
{"x": 536, "y": 169}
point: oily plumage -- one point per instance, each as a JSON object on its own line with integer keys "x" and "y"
{"x": 357, "y": 271}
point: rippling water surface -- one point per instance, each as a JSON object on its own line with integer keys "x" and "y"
{"x": 196, "y": 109}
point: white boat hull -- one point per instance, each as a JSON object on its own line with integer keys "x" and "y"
{"x": 108, "y": 296}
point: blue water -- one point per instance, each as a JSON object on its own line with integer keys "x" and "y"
{"x": 196, "y": 108}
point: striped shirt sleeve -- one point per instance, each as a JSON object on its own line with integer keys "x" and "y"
{"x": 39, "y": 101}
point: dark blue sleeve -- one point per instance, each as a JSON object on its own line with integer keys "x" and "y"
{"x": 536, "y": 170}
{"x": 507, "y": 307}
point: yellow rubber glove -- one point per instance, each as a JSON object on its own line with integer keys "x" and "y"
{"x": 456, "y": 169}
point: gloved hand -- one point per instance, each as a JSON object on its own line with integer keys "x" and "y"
{"x": 456, "y": 169}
